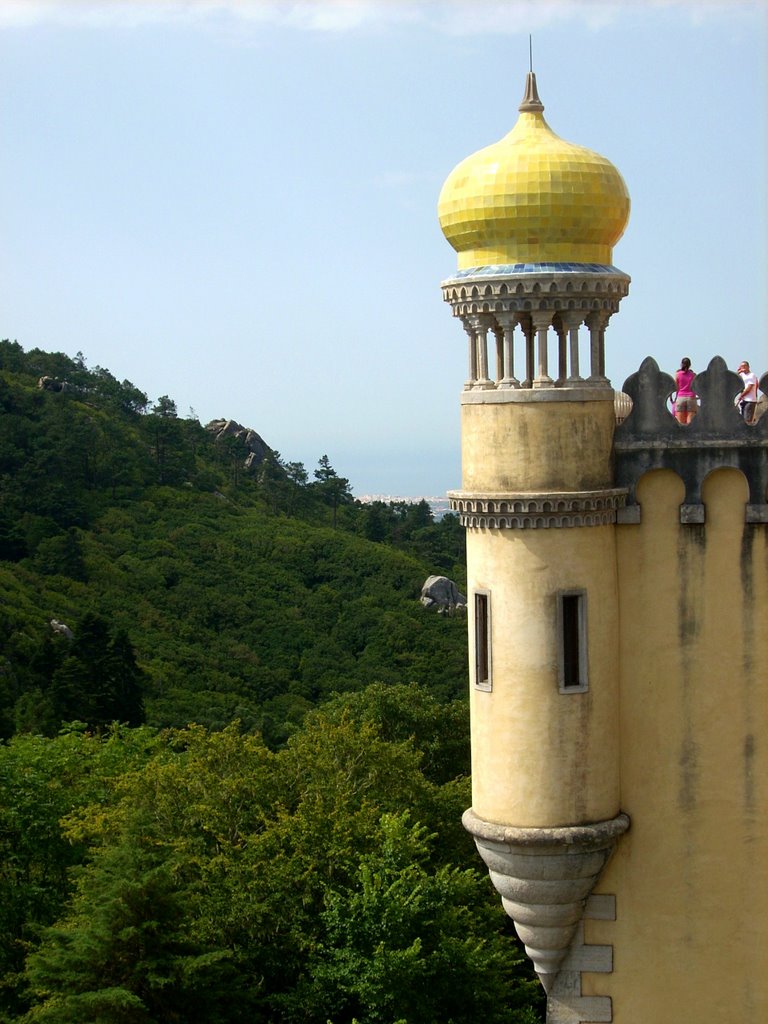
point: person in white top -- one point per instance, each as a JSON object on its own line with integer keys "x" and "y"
{"x": 747, "y": 400}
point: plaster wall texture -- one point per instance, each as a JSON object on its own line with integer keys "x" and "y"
{"x": 536, "y": 446}
{"x": 691, "y": 935}
{"x": 539, "y": 757}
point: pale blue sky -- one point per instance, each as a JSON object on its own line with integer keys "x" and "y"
{"x": 233, "y": 203}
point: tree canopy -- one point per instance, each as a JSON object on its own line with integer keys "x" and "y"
{"x": 220, "y": 881}
{"x": 233, "y": 745}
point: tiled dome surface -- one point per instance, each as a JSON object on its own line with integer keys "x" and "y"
{"x": 531, "y": 198}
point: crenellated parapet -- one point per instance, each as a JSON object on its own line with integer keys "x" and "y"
{"x": 651, "y": 438}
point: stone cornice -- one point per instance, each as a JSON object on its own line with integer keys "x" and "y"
{"x": 541, "y": 510}
{"x": 562, "y": 838}
{"x": 581, "y": 392}
{"x": 529, "y": 292}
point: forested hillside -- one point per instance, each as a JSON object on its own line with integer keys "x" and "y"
{"x": 250, "y": 595}
{"x": 296, "y": 854}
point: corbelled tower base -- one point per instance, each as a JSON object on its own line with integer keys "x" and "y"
{"x": 544, "y": 877}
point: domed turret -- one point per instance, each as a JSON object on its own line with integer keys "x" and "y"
{"x": 534, "y": 220}
{"x": 533, "y": 198}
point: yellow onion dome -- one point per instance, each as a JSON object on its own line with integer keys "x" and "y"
{"x": 533, "y": 198}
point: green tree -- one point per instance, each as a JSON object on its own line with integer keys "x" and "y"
{"x": 374, "y": 521}
{"x": 297, "y": 478}
{"x": 61, "y": 555}
{"x": 12, "y": 356}
{"x": 333, "y": 489}
{"x": 406, "y": 943}
{"x": 165, "y": 407}
{"x": 225, "y": 883}
{"x": 122, "y": 955}
{"x": 171, "y": 442}
{"x": 274, "y": 483}
{"x": 34, "y": 712}
{"x": 438, "y": 730}
{"x": 9, "y": 689}
{"x": 13, "y": 545}
{"x": 125, "y": 397}
{"x": 98, "y": 680}
{"x": 41, "y": 782}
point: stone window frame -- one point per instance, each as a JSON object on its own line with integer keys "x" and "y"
{"x": 581, "y": 636}
{"x": 482, "y": 652}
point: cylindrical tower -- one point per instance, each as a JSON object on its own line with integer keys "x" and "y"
{"x": 534, "y": 220}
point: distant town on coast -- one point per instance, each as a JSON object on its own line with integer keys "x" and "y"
{"x": 439, "y": 504}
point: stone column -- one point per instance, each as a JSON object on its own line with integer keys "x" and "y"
{"x": 525, "y": 321}
{"x": 596, "y": 322}
{"x": 542, "y": 320}
{"x": 562, "y": 364}
{"x": 472, "y": 353}
{"x": 498, "y": 334}
{"x": 507, "y": 322}
{"x": 572, "y": 320}
{"x": 481, "y": 324}
{"x": 603, "y": 329}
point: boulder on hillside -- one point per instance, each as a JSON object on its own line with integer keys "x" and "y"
{"x": 62, "y": 629}
{"x": 52, "y": 384}
{"x": 256, "y": 446}
{"x": 442, "y": 594}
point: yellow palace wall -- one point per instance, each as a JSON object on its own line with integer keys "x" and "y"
{"x": 690, "y": 942}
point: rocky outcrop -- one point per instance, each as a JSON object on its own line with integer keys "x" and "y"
{"x": 443, "y": 595}
{"x": 62, "y": 629}
{"x": 257, "y": 448}
{"x": 52, "y": 384}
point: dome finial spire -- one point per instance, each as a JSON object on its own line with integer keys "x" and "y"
{"x": 531, "y": 101}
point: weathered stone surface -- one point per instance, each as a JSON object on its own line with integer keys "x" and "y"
{"x": 255, "y": 445}
{"x": 443, "y": 595}
{"x": 565, "y": 1003}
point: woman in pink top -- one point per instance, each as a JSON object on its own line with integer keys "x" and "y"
{"x": 685, "y": 402}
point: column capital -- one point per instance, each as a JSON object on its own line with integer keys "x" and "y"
{"x": 572, "y": 318}
{"x": 542, "y": 318}
{"x": 481, "y": 321}
{"x": 508, "y": 319}
{"x": 597, "y": 319}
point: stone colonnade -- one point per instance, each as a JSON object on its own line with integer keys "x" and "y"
{"x": 535, "y": 327}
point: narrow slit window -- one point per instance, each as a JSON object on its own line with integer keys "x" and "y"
{"x": 483, "y": 640}
{"x": 572, "y": 640}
